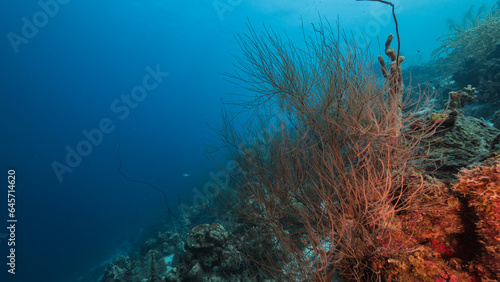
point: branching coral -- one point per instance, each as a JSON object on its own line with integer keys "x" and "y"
{"x": 470, "y": 17}
{"x": 477, "y": 41}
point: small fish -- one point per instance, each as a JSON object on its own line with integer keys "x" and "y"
{"x": 186, "y": 175}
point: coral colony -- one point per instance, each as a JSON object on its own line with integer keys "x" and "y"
{"x": 358, "y": 177}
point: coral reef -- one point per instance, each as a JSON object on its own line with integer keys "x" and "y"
{"x": 212, "y": 255}
{"x": 120, "y": 269}
{"x": 207, "y": 253}
{"x": 456, "y": 238}
{"x": 460, "y": 141}
{"x": 473, "y": 57}
{"x": 153, "y": 262}
{"x": 364, "y": 187}
{"x": 481, "y": 187}
{"x": 453, "y": 236}
{"x": 430, "y": 237}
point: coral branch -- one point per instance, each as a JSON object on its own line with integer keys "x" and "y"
{"x": 395, "y": 21}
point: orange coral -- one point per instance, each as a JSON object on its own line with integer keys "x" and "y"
{"x": 439, "y": 117}
{"x": 460, "y": 97}
{"x": 482, "y": 186}
{"x": 428, "y": 238}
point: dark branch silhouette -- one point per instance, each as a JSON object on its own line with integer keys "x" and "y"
{"x": 169, "y": 210}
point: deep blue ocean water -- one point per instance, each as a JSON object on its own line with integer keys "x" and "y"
{"x": 78, "y": 77}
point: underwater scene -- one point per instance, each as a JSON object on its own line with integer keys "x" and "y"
{"x": 243, "y": 140}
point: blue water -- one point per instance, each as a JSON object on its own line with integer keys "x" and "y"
{"x": 70, "y": 67}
